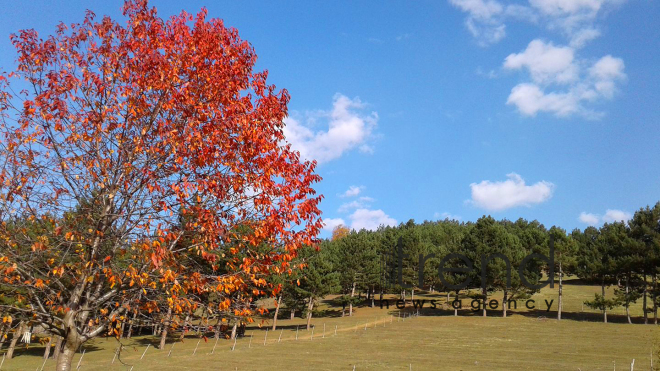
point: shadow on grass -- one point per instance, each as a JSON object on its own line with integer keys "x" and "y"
{"x": 38, "y": 350}
{"x": 539, "y": 314}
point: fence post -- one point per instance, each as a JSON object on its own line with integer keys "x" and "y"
{"x": 170, "y": 352}
{"x": 145, "y": 351}
{"x": 198, "y": 341}
{"x": 214, "y": 345}
{"x": 83, "y": 354}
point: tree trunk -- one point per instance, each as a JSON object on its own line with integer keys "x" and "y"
{"x": 58, "y": 347}
{"x": 71, "y": 344}
{"x": 448, "y": 296}
{"x": 504, "y": 303}
{"x": 350, "y": 305}
{"x": 373, "y": 297}
{"x": 646, "y": 317}
{"x": 217, "y": 329}
{"x": 655, "y": 302}
{"x": 455, "y": 309}
{"x": 233, "y": 331}
{"x": 412, "y": 295}
{"x": 293, "y": 313}
{"x": 310, "y": 306}
{"x": 485, "y": 297}
{"x": 166, "y": 327}
{"x": 47, "y": 349}
{"x": 130, "y": 326}
{"x": 277, "y": 311}
{"x": 561, "y": 290}
{"x": 3, "y": 332}
{"x": 185, "y": 327}
{"x": 199, "y": 324}
{"x": 65, "y": 358}
{"x": 627, "y": 299}
{"x": 604, "y": 308}
{"x": 14, "y": 340}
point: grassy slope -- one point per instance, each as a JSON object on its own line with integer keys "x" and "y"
{"x": 435, "y": 340}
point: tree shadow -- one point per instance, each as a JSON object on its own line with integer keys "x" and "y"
{"x": 38, "y": 350}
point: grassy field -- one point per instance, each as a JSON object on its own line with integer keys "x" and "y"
{"x": 526, "y": 340}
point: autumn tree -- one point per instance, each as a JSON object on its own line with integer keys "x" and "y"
{"x": 340, "y": 231}
{"x": 121, "y": 128}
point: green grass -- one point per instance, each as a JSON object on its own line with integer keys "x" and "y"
{"x": 527, "y": 340}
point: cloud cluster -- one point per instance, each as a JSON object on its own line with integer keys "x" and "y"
{"x": 348, "y": 127}
{"x": 486, "y": 19}
{"x": 545, "y": 62}
{"x": 361, "y": 202}
{"x": 370, "y": 219}
{"x": 331, "y": 223}
{"x": 559, "y": 83}
{"x": 513, "y": 192}
{"x": 362, "y": 216}
{"x": 352, "y": 191}
{"x": 610, "y": 216}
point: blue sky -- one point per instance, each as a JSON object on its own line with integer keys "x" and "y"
{"x": 542, "y": 109}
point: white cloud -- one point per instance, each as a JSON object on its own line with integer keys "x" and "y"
{"x": 329, "y": 223}
{"x": 616, "y": 216}
{"x": 513, "y": 192}
{"x": 530, "y": 99}
{"x": 352, "y": 191}
{"x": 370, "y": 219}
{"x": 611, "y": 216}
{"x": 588, "y": 218}
{"x": 572, "y": 17}
{"x": 549, "y": 66}
{"x": 576, "y": 19}
{"x": 545, "y": 62}
{"x": 360, "y": 203}
{"x": 445, "y": 215}
{"x": 582, "y": 37}
{"x": 348, "y": 128}
{"x": 605, "y": 73}
{"x": 484, "y": 19}
{"x": 563, "y": 7}
{"x": 479, "y": 9}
